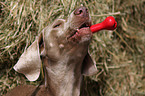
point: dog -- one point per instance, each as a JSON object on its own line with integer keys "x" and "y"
{"x": 62, "y": 50}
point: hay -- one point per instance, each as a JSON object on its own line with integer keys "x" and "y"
{"x": 119, "y": 54}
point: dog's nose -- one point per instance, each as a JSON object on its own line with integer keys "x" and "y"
{"x": 81, "y": 11}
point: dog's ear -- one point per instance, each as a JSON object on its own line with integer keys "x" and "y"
{"x": 29, "y": 63}
{"x": 88, "y": 67}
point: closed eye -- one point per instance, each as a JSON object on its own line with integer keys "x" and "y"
{"x": 57, "y": 25}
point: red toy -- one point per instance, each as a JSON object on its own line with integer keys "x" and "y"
{"x": 109, "y": 24}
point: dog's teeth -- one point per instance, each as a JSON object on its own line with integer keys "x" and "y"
{"x": 77, "y": 33}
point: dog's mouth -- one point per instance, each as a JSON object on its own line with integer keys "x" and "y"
{"x": 78, "y": 31}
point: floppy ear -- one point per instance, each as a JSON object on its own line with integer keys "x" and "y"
{"x": 88, "y": 66}
{"x": 29, "y": 63}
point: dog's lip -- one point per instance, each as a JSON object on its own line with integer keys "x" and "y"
{"x": 84, "y": 25}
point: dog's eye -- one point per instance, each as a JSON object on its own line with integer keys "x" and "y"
{"x": 57, "y": 25}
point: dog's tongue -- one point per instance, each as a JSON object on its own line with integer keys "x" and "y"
{"x": 109, "y": 24}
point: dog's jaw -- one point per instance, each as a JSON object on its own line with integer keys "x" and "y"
{"x": 81, "y": 35}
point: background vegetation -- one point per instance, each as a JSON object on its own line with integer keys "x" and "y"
{"x": 119, "y": 54}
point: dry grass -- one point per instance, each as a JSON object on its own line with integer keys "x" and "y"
{"x": 119, "y": 54}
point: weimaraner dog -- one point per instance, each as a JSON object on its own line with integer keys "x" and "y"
{"x": 62, "y": 50}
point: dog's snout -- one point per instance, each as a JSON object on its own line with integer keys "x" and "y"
{"x": 82, "y": 11}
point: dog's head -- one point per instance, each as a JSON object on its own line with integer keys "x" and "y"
{"x": 58, "y": 39}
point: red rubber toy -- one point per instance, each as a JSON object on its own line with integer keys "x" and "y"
{"x": 109, "y": 24}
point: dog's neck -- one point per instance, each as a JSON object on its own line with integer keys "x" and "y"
{"x": 63, "y": 77}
